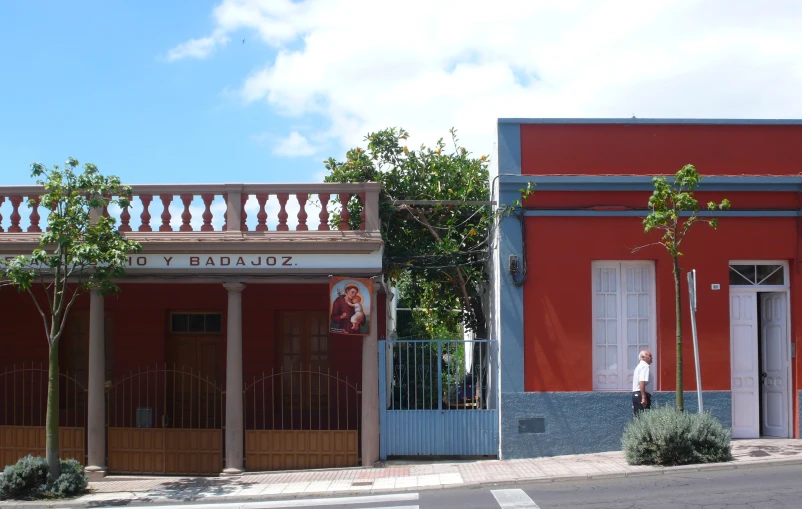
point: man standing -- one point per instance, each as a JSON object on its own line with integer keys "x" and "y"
{"x": 641, "y": 400}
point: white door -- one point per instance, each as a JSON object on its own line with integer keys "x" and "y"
{"x": 745, "y": 377}
{"x": 774, "y": 365}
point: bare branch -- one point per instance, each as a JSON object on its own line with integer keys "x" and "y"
{"x": 45, "y": 287}
{"x": 66, "y": 313}
{"x": 461, "y": 284}
{"x": 636, "y": 249}
{"x": 41, "y": 312}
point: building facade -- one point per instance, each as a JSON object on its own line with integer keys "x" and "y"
{"x": 216, "y": 355}
{"x": 579, "y": 287}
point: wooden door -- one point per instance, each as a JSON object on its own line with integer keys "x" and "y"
{"x": 774, "y": 364}
{"x": 744, "y": 365}
{"x": 191, "y": 399}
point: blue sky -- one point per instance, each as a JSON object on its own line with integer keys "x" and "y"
{"x": 166, "y": 92}
{"x": 91, "y": 80}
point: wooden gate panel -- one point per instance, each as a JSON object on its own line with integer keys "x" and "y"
{"x": 165, "y": 420}
{"x": 136, "y": 450}
{"x": 289, "y": 450}
{"x": 194, "y": 451}
{"x": 19, "y": 441}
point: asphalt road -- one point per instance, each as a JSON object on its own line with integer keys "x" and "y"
{"x": 764, "y": 488}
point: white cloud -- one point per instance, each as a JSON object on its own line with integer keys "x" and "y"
{"x": 363, "y": 65}
{"x": 294, "y": 145}
{"x": 197, "y": 48}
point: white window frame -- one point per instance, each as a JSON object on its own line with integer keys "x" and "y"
{"x": 759, "y": 287}
{"x": 623, "y": 376}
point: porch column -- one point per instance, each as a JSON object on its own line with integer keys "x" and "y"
{"x": 370, "y": 387}
{"x": 234, "y": 425}
{"x": 96, "y": 404}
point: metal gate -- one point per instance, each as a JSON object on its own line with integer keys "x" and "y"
{"x": 437, "y": 398}
{"x": 301, "y": 418}
{"x": 165, "y": 420}
{"x": 23, "y": 409}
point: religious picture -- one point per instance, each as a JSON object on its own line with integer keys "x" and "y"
{"x": 350, "y": 305}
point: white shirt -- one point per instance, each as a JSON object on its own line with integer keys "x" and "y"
{"x": 641, "y": 375}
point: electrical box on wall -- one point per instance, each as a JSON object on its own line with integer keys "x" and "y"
{"x": 513, "y": 264}
{"x": 715, "y": 286}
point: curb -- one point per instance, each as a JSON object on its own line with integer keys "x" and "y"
{"x": 656, "y": 471}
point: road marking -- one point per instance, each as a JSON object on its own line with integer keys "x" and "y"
{"x": 514, "y": 499}
{"x": 312, "y": 502}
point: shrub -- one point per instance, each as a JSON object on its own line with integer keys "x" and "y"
{"x": 663, "y": 436}
{"x": 27, "y": 479}
{"x": 72, "y": 481}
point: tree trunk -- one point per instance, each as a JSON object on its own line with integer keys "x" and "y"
{"x": 680, "y": 404}
{"x": 51, "y": 429}
{"x": 481, "y": 321}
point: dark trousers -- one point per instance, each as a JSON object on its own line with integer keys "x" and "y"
{"x": 636, "y": 402}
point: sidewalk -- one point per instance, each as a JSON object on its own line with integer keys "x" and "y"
{"x": 397, "y": 476}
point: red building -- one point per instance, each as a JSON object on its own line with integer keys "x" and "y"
{"x": 216, "y": 354}
{"x": 597, "y": 290}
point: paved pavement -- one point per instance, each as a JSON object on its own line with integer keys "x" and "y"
{"x": 399, "y": 476}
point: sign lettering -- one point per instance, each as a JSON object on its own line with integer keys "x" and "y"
{"x": 249, "y": 262}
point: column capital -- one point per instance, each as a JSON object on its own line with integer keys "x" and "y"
{"x": 234, "y": 287}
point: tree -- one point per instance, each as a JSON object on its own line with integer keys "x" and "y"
{"x": 435, "y": 219}
{"x": 674, "y": 210}
{"x": 80, "y": 251}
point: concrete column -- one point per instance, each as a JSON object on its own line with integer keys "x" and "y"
{"x": 234, "y": 425}
{"x": 96, "y": 404}
{"x": 370, "y": 387}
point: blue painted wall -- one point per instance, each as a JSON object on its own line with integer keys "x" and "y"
{"x": 509, "y": 326}
{"x": 584, "y": 422}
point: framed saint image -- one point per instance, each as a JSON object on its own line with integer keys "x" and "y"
{"x": 350, "y": 305}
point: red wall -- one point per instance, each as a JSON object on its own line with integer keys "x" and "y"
{"x": 643, "y": 149}
{"x": 558, "y": 294}
{"x": 22, "y": 334}
{"x": 140, "y": 316}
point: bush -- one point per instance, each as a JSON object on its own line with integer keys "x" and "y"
{"x": 24, "y": 480}
{"x": 27, "y": 479}
{"x": 72, "y": 481}
{"x": 663, "y": 436}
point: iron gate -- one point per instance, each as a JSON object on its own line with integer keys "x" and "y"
{"x": 301, "y": 418}
{"x": 437, "y": 398}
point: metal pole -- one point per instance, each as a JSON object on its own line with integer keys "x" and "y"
{"x": 692, "y": 293}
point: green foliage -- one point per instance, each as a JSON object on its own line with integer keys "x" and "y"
{"x": 72, "y": 481}
{"x": 439, "y": 251}
{"x": 674, "y": 210}
{"x": 27, "y": 480}
{"x": 663, "y": 436}
{"x": 75, "y": 247}
{"x": 670, "y": 200}
{"x": 80, "y": 251}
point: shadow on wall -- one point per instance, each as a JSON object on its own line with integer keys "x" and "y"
{"x": 583, "y": 422}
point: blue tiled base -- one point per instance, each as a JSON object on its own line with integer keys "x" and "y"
{"x": 584, "y": 422}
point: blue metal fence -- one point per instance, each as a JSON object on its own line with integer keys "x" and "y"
{"x": 436, "y": 398}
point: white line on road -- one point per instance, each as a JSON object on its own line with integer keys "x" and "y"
{"x": 309, "y": 502}
{"x": 395, "y": 507}
{"x": 514, "y": 499}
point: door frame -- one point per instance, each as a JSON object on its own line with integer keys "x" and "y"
{"x": 755, "y": 290}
